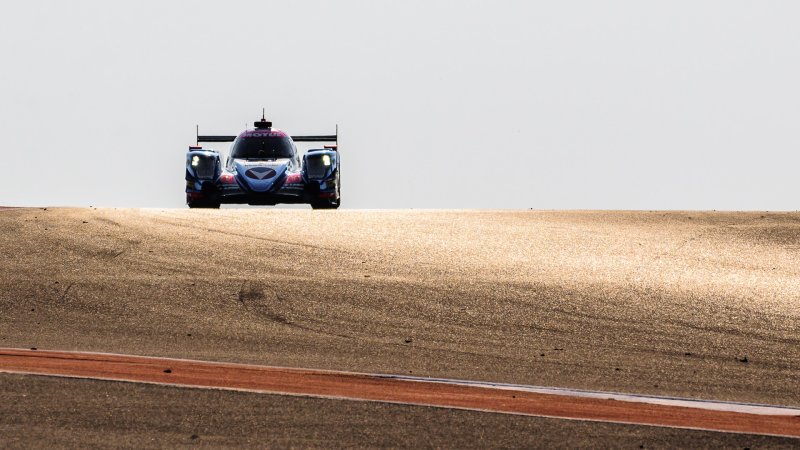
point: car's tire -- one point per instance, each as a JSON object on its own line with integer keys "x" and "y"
{"x": 324, "y": 205}
{"x": 207, "y": 205}
{"x": 330, "y": 204}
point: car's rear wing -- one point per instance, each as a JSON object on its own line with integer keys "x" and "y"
{"x": 308, "y": 138}
{"x": 318, "y": 138}
{"x": 315, "y": 138}
{"x": 215, "y": 138}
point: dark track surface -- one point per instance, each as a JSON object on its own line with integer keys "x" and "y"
{"x": 702, "y": 305}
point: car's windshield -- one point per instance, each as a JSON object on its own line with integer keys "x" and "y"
{"x": 262, "y": 147}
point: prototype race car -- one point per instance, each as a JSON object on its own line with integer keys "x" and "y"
{"x": 263, "y": 168}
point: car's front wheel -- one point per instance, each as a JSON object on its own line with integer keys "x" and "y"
{"x": 196, "y": 204}
{"x": 330, "y": 204}
{"x": 325, "y": 205}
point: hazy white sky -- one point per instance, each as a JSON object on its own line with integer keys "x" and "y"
{"x": 441, "y": 104}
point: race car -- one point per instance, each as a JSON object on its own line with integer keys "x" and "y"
{"x": 264, "y": 168}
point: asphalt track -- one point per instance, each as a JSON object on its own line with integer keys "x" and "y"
{"x": 697, "y": 305}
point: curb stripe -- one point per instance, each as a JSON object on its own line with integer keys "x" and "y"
{"x": 540, "y": 401}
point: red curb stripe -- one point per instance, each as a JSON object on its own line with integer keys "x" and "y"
{"x": 366, "y": 387}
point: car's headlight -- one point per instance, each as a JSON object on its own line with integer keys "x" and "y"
{"x": 195, "y": 160}
{"x": 326, "y": 160}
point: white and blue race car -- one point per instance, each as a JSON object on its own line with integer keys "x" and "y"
{"x": 263, "y": 168}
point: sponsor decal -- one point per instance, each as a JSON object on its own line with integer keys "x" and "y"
{"x": 253, "y": 134}
{"x": 260, "y": 173}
